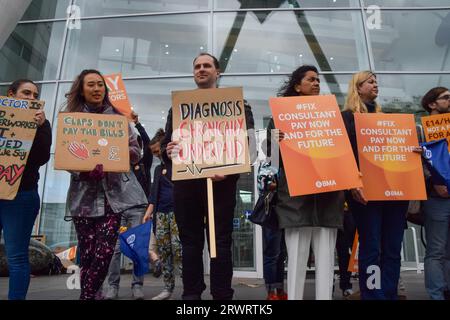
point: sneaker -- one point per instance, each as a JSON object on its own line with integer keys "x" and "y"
{"x": 164, "y": 295}
{"x": 447, "y": 295}
{"x": 99, "y": 295}
{"x": 402, "y": 296}
{"x": 157, "y": 269}
{"x": 112, "y": 294}
{"x": 277, "y": 294}
{"x": 347, "y": 293}
{"x": 272, "y": 296}
{"x": 401, "y": 285}
{"x": 354, "y": 296}
{"x": 137, "y": 292}
{"x": 282, "y": 295}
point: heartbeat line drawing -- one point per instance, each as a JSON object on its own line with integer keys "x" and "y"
{"x": 198, "y": 170}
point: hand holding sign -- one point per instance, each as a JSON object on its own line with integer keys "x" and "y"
{"x": 358, "y": 195}
{"x": 97, "y": 174}
{"x": 218, "y": 177}
{"x": 118, "y": 94}
{"x": 40, "y": 117}
{"x": 173, "y": 148}
{"x": 441, "y": 190}
{"x": 134, "y": 117}
{"x": 279, "y": 135}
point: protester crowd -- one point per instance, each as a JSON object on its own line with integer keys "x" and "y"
{"x": 99, "y": 203}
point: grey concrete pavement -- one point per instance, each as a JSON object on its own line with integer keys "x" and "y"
{"x": 55, "y": 288}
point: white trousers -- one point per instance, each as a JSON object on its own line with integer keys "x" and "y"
{"x": 298, "y": 242}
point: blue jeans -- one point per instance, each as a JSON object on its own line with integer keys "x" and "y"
{"x": 16, "y": 220}
{"x": 437, "y": 254}
{"x": 274, "y": 255}
{"x": 380, "y": 226}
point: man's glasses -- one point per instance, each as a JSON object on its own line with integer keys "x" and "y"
{"x": 446, "y": 97}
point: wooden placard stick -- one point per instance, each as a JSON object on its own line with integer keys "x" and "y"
{"x": 212, "y": 226}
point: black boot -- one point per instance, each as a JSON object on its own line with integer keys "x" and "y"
{"x": 447, "y": 295}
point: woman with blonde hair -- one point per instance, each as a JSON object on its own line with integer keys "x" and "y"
{"x": 380, "y": 224}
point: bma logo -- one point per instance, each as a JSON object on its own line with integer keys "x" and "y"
{"x": 427, "y": 154}
{"x": 325, "y": 183}
{"x": 393, "y": 193}
{"x": 131, "y": 239}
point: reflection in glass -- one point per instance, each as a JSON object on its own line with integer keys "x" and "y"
{"x": 63, "y": 88}
{"x": 258, "y": 90}
{"x": 407, "y": 3}
{"x": 46, "y": 9}
{"x": 114, "y": 7}
{"x": 137, "y": 46}
{"x": 397, "y": 93}
{"x": 32, "y": 51}
{"x": 403, "y": 45}
{"x": 243, "y": 229}
{"x": 403, "y": 93}
{"x": 59, "y": 233}
{"x": 273, "y": 4}
{"x": 152, "y": 99}
{"x": 285, "y": 40}
{"x": 46, "y": 93}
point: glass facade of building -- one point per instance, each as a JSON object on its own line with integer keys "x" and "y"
{"x": 258, "y": 42}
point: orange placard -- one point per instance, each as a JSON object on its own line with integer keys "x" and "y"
{"x": 390, "y": 169}
{"x": 69, "y": 254}
{"x": 437, "y": 127}
{"x": 353, "y": 262}
{"x": 118, "y": 94}
{"x": 316, "y": 151}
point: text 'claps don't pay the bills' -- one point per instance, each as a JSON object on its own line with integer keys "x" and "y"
{"x": 85, "y": 139}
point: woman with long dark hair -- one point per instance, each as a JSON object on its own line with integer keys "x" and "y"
{"x": 17, "y": 216}
{"x": 309, "y": 219}
{"x": 96, "y": 199}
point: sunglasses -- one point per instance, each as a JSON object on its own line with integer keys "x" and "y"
{"x": 446, "y": 97}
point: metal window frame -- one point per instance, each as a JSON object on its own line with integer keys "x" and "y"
{"x": 211, "y": 48}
